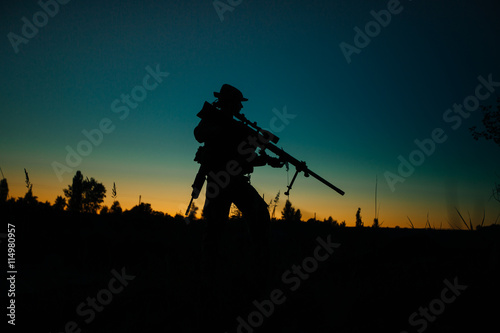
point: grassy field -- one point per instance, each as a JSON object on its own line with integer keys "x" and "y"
{"x": 139, "y": 273}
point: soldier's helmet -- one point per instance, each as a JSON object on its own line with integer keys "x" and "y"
{"x": 230, "y": 93}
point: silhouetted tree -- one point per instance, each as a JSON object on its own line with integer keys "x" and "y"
{"x": 298, "y": 216}
{"x": 74, "y": 193}
{"x": 288, "y": 211}
{"x": 93, "y": 195}
{"x": 290, "y": 214}
{"x": 84, "y": 195}
{"x": 359, "y": 222}
{"x": 60, "y": 203}
{"x": 491, "y": 122}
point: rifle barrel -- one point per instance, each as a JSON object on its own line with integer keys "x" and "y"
{"x": 301, "y": 166}
{"x": 326, "y": 182}
{"x": 270, "y": 145}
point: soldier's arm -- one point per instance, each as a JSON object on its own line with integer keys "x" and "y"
{"x": 264, "y": 159}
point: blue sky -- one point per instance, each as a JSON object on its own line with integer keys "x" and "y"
{"x": 352, "y": 120}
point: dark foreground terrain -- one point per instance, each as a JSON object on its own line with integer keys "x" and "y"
{"x": 88, "y": 273}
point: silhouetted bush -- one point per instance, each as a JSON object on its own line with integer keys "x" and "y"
{"x": 115, "y": 208}
{"x": 60, "y": 203}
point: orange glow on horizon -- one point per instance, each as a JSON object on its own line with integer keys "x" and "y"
{"x": 172, "y": 196}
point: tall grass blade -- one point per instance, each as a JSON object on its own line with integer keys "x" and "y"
{"x": 463, "y": 220}
{"x": 411, "y": 224}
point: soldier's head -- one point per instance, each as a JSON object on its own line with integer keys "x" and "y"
{"x": 230, "y": 98}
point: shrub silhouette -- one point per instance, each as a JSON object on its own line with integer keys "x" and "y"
{"x": 115, "y": 208}
{"x": 193, "y": 211}
{"x": 331, "y": 221}
{"x": 104, "y": 210}
{"x": 60, "y": 203}
{"x": 143, "y": 209}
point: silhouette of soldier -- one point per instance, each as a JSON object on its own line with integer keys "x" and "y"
{"x": 229, "y": 155}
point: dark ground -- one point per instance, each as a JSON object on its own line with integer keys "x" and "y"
{"x": 373, "y": 282}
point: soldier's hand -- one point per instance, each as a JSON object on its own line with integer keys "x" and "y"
{"x": 275, "y": 162}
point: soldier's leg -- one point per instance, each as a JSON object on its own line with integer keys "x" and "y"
{"x": 215, "y": 211}
{"x": 254, "y": 210}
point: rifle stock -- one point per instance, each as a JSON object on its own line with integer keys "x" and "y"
{"x": 199, "y": 180}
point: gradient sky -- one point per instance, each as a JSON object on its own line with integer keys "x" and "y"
{"x": 352, "y": 120}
